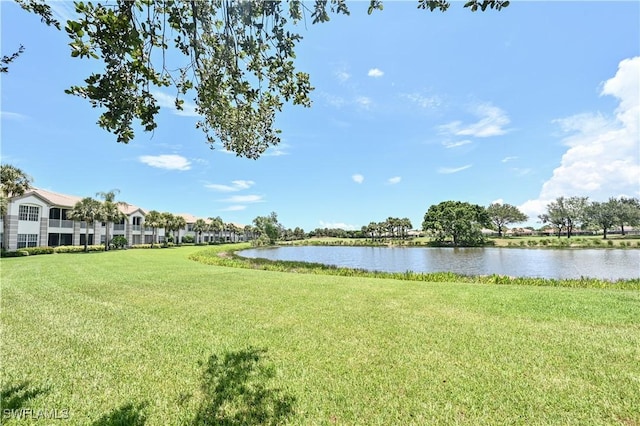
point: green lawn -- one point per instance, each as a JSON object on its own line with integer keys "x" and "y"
{"x": 149, "y": 337}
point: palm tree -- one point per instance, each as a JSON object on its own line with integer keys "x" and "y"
{"x": 233, "y": 229}
{"x": 86, "y": 210}
{"x": 110, "y": 211}
{"x": 372, "y": 228}
{"x": 154, "y": 220}
{"x": 210, "y": 229}
{"x": 13, "y": 182}
{"x": 179, "y": 223}
{"x": 199, "y": 227}
{"x": 405, "y": 223}
{"x": 168, "y": 225}
{"x": 248, "y": 229}
{"x": 217, "y": 225}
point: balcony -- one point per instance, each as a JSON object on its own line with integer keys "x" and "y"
{"x": 119, "y": 227}
{"x": 60, "y": 223}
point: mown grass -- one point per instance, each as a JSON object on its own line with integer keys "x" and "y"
{"x": 149, "y": 337}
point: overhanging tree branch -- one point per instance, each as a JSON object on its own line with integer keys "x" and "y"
{"x": 241, "y": 71}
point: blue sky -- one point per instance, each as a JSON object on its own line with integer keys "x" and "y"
{"x": 411, "y": 108}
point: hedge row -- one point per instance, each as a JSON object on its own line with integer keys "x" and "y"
{"x": 155, "y": 245}
{"x": 33, "y": 251}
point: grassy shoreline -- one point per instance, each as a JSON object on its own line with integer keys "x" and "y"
{"x": 227, "y": 256}
{"x": 577, "y": 242}
{"x": 150, "y": 337}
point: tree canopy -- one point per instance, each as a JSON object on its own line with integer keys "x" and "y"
{"x": 502, "y": 215}
{"x": 268, "y": 227}
{"x": 13, "y": 182}
{"x": 460, "y": 221}
{"x": 88, "y": 210}
{"x": 236, "y": 57}
{"x": 565, "y": 213}
{"x": 602, "y": 215}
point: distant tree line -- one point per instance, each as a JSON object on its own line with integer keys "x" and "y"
{"x": 566, "y": 214}
{"x": 461, "y": 224}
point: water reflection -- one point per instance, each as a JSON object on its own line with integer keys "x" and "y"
{"x": 546, "y": 263}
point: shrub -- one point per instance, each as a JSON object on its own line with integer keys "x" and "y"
{"x": 141, "y": 246}
{"x": 188, "y": 239}
{"x": 119, "y": 242}
{"x": 77, "y": 249}
{"x": 16, "y": 253}
{"x": 28, "y": 251}
{"x": 38, "y": 250}
{"x": 261, "y": 241}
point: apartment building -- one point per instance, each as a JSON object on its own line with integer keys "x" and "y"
{"x": 41, "y": 218}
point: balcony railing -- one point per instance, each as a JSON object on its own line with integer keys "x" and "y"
{"x": 136, "y": 227}
{"x": 60, "y": 223}
{"x": 118, "y": 227}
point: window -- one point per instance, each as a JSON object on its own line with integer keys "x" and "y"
{"x": 27, "y": 240}
{"x": 30, "y": 213}
{"x": 54, "y": 213}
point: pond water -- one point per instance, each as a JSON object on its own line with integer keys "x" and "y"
{"x": 611, "y": 264}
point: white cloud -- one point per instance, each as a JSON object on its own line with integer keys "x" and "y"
{"x": 243, "y": 184}
{"x": 425, "y": 102}
{"x": 507, "y": 159}
{"x": 333, "y": 100}
{"x": 394, "y": 180}
{"x": 6, "y": 115}
{"x": 342, "y": 75}
{"x": 375, "y": 73}
{"x": 234, "y": 208}
{"x": 450, "y": 170}
{"x": 277, "y": 150}
{"x": 358, "y": 178}
{"x": 168, "y": 162}
{"x": 337, "y": 225}
{"x": 239, "y": 199}
{"x": 491, "y": 123}
{"x": 520, "y": 171}
{"x": 602, "y": 157}
{"x": 455, "y": 144}
{"x": 168, "y": 101}
{"x": 63, "y": 11}
{"x": 364, "y": 102}
{"x": 236, "y": 185}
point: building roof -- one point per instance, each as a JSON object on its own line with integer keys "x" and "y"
{"x": 188, "y": 217}
{"x": 64, "y": 200}
{"x": 54, "y": 198}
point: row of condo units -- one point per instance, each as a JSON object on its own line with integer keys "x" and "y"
{"x": 41, "y": 218}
